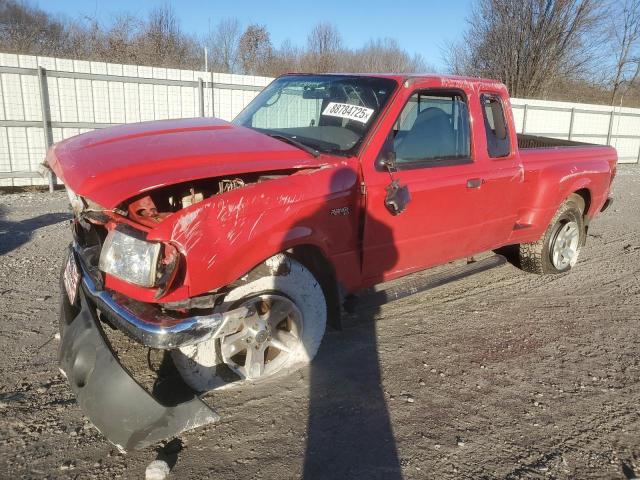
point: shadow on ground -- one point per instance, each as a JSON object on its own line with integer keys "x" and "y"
{"x": 349, "y": 429}
{"x": 15, "y": 234}
{"x": 349, "y": 433}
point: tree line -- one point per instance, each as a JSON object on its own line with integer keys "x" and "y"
{"x": 158, "y": 40}
{"x": 575, "y": 50}
{"x": 578, "y": 50}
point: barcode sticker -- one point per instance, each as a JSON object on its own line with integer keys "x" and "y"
{"x": 352, "y": 112}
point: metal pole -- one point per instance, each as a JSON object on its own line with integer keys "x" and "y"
{"x": 213, "y": 97}
{"x": 524, "y": 119}
{"x": 573, "y": 114}
{"x": 610, "y": 127}
{"x": 201, "y": 96}
{"x": 46, "y": 118}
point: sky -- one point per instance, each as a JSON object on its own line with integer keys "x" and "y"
{"x": 421, "y": 27}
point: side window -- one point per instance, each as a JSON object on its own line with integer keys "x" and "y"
{"x": 432, "y": 130}
{"x": 495, "y": 126}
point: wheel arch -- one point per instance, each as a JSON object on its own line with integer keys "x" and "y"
{"x": 315, "y": 260}
{"x": 585, "y": 195}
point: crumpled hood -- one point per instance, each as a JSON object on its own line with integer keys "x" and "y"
{"x": 112, "y": 165}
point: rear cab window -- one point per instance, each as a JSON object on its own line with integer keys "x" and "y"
{"x": 495, "y": 126}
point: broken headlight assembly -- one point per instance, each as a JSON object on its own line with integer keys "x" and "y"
{"x": 130, "y": 258}
{"x": 77, "y": 203}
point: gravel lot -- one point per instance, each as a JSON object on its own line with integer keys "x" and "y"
{"x": 501, "y": 375}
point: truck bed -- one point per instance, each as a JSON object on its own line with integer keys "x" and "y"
{"x": 558, "y": 166}
{"x": 531, "y": 141}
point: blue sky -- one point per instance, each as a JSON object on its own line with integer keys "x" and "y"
{"x": 420, "y": 27}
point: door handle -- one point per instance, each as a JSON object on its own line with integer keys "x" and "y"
{"x": 475, "y": 182}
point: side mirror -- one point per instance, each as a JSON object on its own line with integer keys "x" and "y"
{"x": 397, "y": 197}
{"x": 387, "y": 159}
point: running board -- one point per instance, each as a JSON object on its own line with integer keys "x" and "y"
{"x": 411, "y": 287}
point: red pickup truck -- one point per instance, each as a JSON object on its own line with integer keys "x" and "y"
{"x": 232, "y": 245}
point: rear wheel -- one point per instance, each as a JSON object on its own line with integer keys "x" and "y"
{"x": 558, "y": 249}
{"x": 283, "y": 335}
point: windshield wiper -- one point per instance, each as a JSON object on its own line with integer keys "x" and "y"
{"x": 295, "y": 143}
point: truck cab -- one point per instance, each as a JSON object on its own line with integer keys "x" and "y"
{"x": 455, "y": 148}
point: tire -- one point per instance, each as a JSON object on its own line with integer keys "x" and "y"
{"x": 565, "y": 233}
{"x": 279, "y": 285}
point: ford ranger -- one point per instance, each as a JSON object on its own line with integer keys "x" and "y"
{"x": 233, "y": 245}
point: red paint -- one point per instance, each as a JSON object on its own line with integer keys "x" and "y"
{"x": 225, "y": 236}
{"x": 114, "y": 164}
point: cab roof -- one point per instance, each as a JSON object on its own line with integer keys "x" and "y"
{"x": 472, "y": 82}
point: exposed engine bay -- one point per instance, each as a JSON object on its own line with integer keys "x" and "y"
{"x": 151, "y": 208}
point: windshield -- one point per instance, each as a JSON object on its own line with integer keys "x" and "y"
{"x": 326, "y": 113}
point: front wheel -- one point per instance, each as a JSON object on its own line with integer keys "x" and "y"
{"x": 558, "y": 249}
{"x": 283, "y": 335}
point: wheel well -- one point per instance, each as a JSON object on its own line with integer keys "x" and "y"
{"x": 585, "y": 195}
{"x": 314, "y": 259}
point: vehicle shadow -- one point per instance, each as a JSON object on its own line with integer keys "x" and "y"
{"x": 628, "y": 472}
{"x": 15, "y": 234}
{"x": 349, "y": 432}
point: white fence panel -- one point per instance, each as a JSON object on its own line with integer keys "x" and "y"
{"x": 84, "y": 95}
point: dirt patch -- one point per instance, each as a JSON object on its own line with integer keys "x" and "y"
{"x": 502, "y": 375}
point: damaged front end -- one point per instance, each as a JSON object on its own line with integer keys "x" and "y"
{"x": 161, "y": 211}
{"x": 120, "y": 408}
{"x": 111, "y": 247}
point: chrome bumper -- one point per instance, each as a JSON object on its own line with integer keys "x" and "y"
{"x": 153, "y": 329}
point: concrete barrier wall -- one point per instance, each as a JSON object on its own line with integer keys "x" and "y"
{"x": 84, "y": 95}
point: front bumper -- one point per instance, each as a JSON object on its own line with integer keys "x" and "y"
{"x": 147, "y": 325}
{"x": 118, "y": 406}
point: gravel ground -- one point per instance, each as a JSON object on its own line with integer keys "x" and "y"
{"x": 501, "y": 375}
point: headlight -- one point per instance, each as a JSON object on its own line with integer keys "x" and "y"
{"x": 129, "y": 258}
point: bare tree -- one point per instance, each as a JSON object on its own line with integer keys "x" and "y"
{"x": 25, "y": 29}
{"x": 118, "y": 43}
{"x": 384, "y": 55}
{"x": 324, "y": 45}
{"x": 223, "y": 44}
{"x": 625, "y": 34}
{"x": 286, "y": 59}
{"x": 529, "y": 44}
{"x": 162, "y": 39}
{"x": 255, "y": 50}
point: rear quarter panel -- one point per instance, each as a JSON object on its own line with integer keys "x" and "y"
{"x": 552, "y": 174}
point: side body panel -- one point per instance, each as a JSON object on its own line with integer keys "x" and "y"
{"x": 552, "y": 174}
{"x": 226, "y": 236}
{"x": 445, "y": 220}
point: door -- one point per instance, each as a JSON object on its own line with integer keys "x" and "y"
{"x": 501, "y": 173}
{"x": 432, "y": 143}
